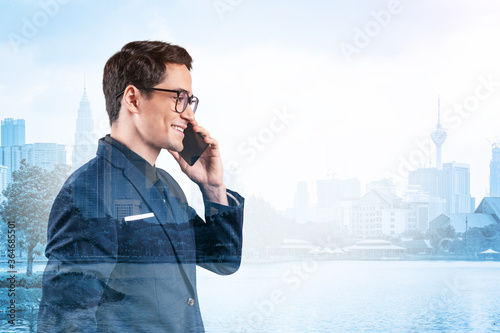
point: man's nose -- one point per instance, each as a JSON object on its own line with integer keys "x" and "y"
{"x": 188, "y": 114}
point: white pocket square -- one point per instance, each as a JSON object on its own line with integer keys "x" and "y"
{"x": 138, "y": 217}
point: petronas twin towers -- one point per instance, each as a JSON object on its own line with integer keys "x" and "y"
{"x": 85, "y": 141}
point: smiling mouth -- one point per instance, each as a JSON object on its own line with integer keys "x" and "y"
{"x": 177, "y": 128}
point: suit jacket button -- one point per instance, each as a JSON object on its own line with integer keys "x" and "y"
{"x": 190, "y": 301}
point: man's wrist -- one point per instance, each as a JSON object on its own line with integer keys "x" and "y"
{"x": 215, "y": 194}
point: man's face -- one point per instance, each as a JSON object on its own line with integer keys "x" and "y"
{"x": 159, "y": 125}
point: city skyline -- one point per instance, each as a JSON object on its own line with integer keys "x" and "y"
{"x": 84, "y": 134}
{"x": 84, "y": 128}
{"x": 437, "y": 194}
{"x": 309, "y": 91}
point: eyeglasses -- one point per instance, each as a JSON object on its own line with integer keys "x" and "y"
{"x": 181, "y": 101}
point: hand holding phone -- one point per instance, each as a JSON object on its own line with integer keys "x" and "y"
{"x": 194, "y": 145}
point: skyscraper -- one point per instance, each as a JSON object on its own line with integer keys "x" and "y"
{"x": 495, "y": 170}
{"x": 456, "y": 188}
{"x": 13, "y": 139}
{"x": 4, "y": 174}
{"x": 13, "y": 132}
{"x": 85, "y": 143}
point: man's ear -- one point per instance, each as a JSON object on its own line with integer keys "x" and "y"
{"x": 131, "y": 98}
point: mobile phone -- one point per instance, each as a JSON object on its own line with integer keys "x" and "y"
{"x": 194, "y": 145}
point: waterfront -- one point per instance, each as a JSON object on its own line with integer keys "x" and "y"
{"x": 354, "y": 296}
{"x": 348, "y": 296}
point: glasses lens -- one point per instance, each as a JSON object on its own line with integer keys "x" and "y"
{"x": 194, "y": 103}
{"x": 181, "y": 102}
{"x": 184, "y": 100}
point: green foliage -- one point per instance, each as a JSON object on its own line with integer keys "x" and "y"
{"x": 472, "y": 242}
{"x": 28, "y": 202}
{"x": 264, "y": 226}
{"x": 22, "y": 280}
{"x": 33, "y": 281}
{"x": 437, "y": 235}
{"x": 477, "y": 240}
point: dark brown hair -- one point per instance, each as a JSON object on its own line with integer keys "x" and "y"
{"x": 141, "y": 64}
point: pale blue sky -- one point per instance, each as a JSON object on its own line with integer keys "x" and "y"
{"x": 367, "y": 114}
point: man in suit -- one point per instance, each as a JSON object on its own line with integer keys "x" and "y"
{"x": 122, "y": 241}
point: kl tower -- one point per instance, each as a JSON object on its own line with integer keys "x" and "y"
{"x": 438, "y": 136}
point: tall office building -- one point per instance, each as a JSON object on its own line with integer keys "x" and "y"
{"x": 495, "y": 170}
{"x": 13, "y": 139}
{"x": 13, "y": 132}
{"x": 456, "y": 188}
{"x": 85, "y": 143}
{"x": 4, "y": 173}
{"x": 430, "y": 180}
{"x": 14, "y": 149}
{"x": 44, "y": 155}
{"x": 452, "y": 184}
{"x": 11, "y": 158}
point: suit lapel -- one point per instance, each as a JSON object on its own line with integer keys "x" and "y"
{"x": 166, "y": 219}
{"x": 152, "y": 198}
{"x": 148, "y": 193}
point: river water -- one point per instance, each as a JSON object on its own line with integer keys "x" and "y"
{"x": 347, "y": 296}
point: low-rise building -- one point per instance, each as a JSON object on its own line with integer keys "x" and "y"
{"x": 488, "y": 212}
{"x": 374, "y": 249}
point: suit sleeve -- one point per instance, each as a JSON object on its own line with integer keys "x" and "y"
{"x": 82, "y": 252}
{"x": 219, "y": 239}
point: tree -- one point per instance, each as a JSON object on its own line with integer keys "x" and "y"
{"x": 27, "y": 204}
{"x": 475, "y": 240}
{"x": 441, "y": 238}
{"x": 492, "y": 235}
{"x": 265, "y": 226}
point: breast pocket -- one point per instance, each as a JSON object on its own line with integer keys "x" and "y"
{"x": 143, "y": 239}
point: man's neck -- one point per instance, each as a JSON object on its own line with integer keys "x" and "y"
{"x": 148, "y": 153}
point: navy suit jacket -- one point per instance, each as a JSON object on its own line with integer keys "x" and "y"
{"x": 122, "y": 257}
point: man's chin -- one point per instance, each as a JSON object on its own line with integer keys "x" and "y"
{"x": 176, "y": 148}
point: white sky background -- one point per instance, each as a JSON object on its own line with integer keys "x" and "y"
{"x": 353, "y": 119}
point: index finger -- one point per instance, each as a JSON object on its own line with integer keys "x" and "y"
{"x": 201, "y": 130}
